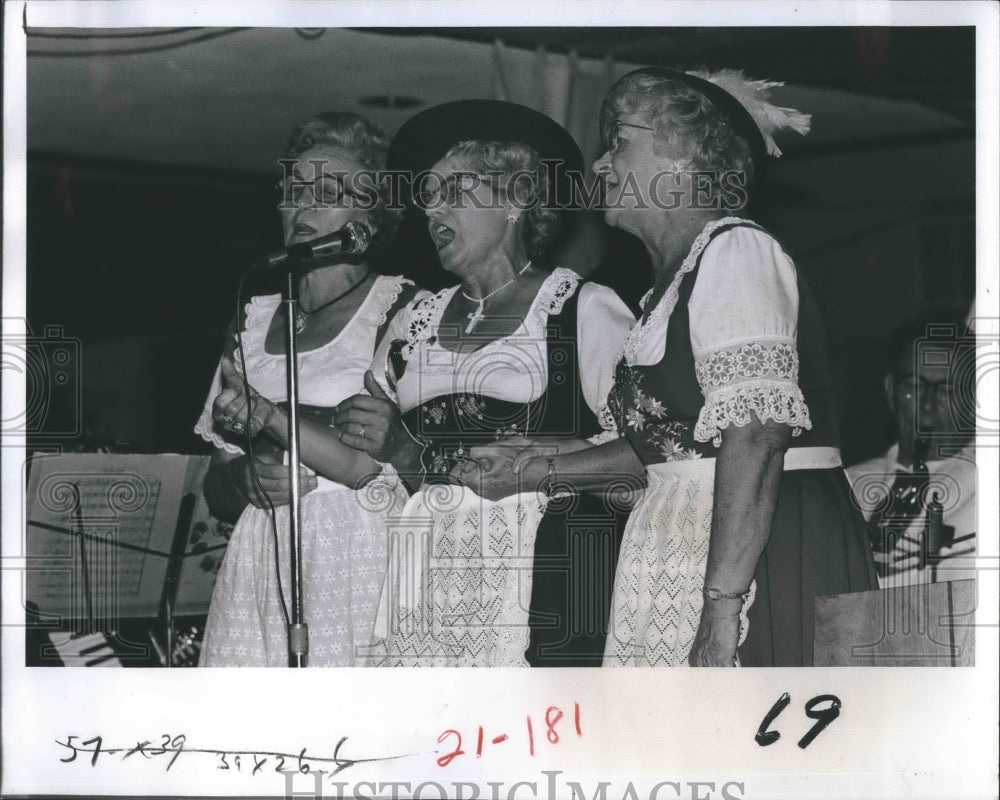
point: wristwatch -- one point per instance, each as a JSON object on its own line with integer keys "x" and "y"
{"x": 717, "y": 594}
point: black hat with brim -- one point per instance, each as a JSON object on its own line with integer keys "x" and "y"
{"x": 425, "y": 138}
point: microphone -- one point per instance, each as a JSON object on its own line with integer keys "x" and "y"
{"x": 353, "y": 239}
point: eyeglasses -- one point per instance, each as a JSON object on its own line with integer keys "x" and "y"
{"x": 914, "y": 386}
{"x": 327, "y": 191}
{"x": 436, "y": 192}
{"x": 615, "y": 141}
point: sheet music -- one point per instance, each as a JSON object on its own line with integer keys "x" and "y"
{"x": 128, "y": 513}
{"x": 132, "y": 526}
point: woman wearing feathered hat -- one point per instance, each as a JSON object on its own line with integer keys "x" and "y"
{"x": 722, "y": 393}
{"x": 516, "y": 347}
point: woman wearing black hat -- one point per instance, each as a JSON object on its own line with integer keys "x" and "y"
{"x": 722, "y": 391}
{"x": 495, "y": 356}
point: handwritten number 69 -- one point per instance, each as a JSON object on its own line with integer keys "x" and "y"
{"x": 823, "y": 717}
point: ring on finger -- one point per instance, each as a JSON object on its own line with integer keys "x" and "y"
{"x": 361, "y": 432}
{"x": 238, "y": 427}
{"x": 226, "y": 419}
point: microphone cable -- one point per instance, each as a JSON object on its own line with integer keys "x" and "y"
{"x": 249, "y": 440}
{"x": 250, "y": 454}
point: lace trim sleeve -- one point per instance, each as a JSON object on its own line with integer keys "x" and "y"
{"x": 422, "y": 319}
{"x": 259, "y": 310}
{"x": 205, "y": 426}
{"x": 556, "y": 290}
{"x": 610, "y": 429}
{"x": 759, "y": 376}
{"x": 389, "y": 296}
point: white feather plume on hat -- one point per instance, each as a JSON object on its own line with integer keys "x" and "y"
{"x": 754, "y": 96}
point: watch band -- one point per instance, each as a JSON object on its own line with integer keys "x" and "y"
{"x": 712, "y": 593}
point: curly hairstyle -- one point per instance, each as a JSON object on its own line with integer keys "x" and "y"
{"x": 524, "y": 173}
{"x": 364, "y": 141}
{"x": 685, "y": 121}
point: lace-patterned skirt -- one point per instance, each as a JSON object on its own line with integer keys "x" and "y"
{"x": 657, "y": 598}
{"x": 818, "y": 546}
{"x": 343, "y": 560}
{"x": 458, "y": 587}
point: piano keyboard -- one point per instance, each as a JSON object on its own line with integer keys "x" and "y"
{"x": 85, "y": 650}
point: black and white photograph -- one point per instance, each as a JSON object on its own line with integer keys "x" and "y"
{"x": 572, "y": 341}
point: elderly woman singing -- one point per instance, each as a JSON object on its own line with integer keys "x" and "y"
{"x": 517, "y": 347}
{"x": 722, "y": 394}
{"x": 342, "y": 312}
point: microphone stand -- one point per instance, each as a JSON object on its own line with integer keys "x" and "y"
{"x": 353, "y": 238}
{"x": 298, "y": 630}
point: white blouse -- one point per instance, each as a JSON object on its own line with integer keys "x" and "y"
{"x": 514, "y": 367}
{"x": 327, "y": 375}
{"x": 743, "y": 316}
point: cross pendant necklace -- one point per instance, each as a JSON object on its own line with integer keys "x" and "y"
{"x": 477, "y": 316}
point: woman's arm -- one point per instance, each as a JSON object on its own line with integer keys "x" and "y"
{"x": 501, "y": 470}
{"x": 744, "y": 312}
{"x": 512, "y": 466}
{"x": 320, "y": 447}
{"x": 613, "y": 465}
{"x": 747, "y": 474}
{"x": 226, "y": 499}
{"x": 229, "y": 485}
{"x": 386, "y": 438}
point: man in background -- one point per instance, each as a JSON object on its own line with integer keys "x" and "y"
{"x": 930, "y": 389}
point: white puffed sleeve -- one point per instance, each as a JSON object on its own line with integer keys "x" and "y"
{"x": 603, "y": 321}
{"x": 744, "y": 320}
{"x": 205, "y": 426}
{"x": 259, "y": 309}
{"x": 398, "y": 328}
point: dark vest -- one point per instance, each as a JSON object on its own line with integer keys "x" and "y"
{"x": 577, "y": 541}
{"x": 674, "y": 385}
{"x": 453, "y": 423}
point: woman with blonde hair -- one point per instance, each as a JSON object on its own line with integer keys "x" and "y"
{"x": 342, "y": 312}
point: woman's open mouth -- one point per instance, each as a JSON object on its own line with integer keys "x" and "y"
{"x": 441, "y": 235}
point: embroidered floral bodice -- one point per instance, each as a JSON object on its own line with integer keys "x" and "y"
{"x": 723, "y": 345}
{"x": 485, "y": 395}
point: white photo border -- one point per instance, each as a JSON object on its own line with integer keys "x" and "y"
{"x": 901, "y": 733}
